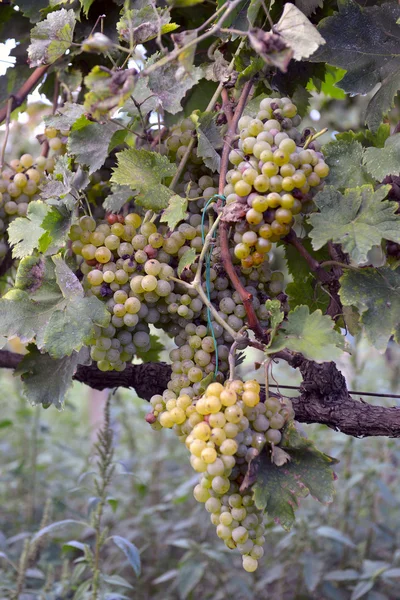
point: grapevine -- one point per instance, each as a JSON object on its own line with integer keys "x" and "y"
{"x": 177, "y": 196}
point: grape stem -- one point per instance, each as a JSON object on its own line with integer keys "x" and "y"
{"x": 214, "y": 30}
{"x": 245, "y": 296}
{"x": 6, "y": 133}
{"x": 231, "y": 360}
{"x": 210, "y": 107}
{"x": 24, "y": 90}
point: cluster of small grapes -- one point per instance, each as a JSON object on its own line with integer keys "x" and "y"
{"x": 272, "y": 174}
{"x": 56, "y": 139}
{"x": 19, "y": 184}
{"x": 224, "y": 430}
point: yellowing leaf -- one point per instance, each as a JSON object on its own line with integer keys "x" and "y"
{"x": 51, "y": 38}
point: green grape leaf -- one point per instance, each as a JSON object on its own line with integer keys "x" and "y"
{"x": 25, "y": 310}
{"x": 297, "y": 265}
{"x": 278, "y": 489}
{"x": 140, "y": 26}
{"x": 143, "y": 171}
{"x": 175, "y": 212}
{"x": 345, "y": 163}
{"x": 120, "y": 195}
{"x": 154, "y": 354}
{"x": 366, "y": 137}
{"x": 205, "y": 382}
{"x": 358, "y": 220}
{"x": 86, "y": 4}
{"x": 328, "y": 85}
{"x": 276, "y": 316}
{"x": 170, "y": 88}
{"x": 298, "y": 32}
{"x": 307, "y": 291}
{"x": 33, "y": 9}
{"x": 376, "y": 295}
{"x": 312, "y": 335}
{"x": 90, "y": 142}
{"x": 46, "y": 380}
{"x": 186, "y": 260}
{"x": 209, "y": 140}
{"x": 56, "y": 225}
{"x": 107, "y": 90}
{"x": 51, "y": 38}
{"x": 348, "y": 36}
{"x": 72, "y": 327}
{"x": 65, "y": 116}
{"x": 308, "y": 7}
{"x": 47, "y": 304}
{"x": 380, "y": 162}
{"x": 24, "y": 233}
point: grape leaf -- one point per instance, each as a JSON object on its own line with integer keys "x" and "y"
{"x": 61, "y": 320}
{"x": 62, "y": 186}
{"x": 348, "y": 35}
{"x": 298, "y": 32}
{"x": 86, "y": 4}
{"x": 169, "y": 88}
{"x": 46, "y": 380}
{"x": 89, "y": 142}
{"x": 345, "y": 163}
{"x": 175, "y": 211}
{"x": 65, "y": 116}
{"x": 366, "y": 137}
{"x": 24, "y": 233}
{"x": 72, "y": 326}
{"x": 218, "y": 70}
{"x": 51, "y": 38}
{"x": 154, "y": 354}
{"x": 107, "y": 90}
{"x": 279, "y": 489}
{"x": 296, "y": 264}
{"x": 140, "y": 26}
{"x": 357, "y": 220}
{"x": 143, "y": 171}
{"x": 310, "y": 334}
{"x": 307, "y": 291}
{"x": 376, "y": 295}
{"x": 56, "y": 225}
{"x": 33, "y": 9}
{"x": 186, "y": 260}
{"x": 120, "y": 195}
{"x": 380, "y": 162}
{"x": 309, "y": 6}
{"x": 209, "y": 140}
{"x": 276, "y": 316}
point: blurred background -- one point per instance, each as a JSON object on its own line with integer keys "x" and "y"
{"x": 49, "y": 463}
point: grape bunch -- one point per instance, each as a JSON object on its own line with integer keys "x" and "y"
{"x": 19, "y": 184}
{"x": 273, "y": 175}
{"x": 224, "y": 430}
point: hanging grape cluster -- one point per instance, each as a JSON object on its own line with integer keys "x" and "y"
{"x": 131, "y": 263}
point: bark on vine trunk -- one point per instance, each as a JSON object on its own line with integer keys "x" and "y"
{"x": 323, "y": 399}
